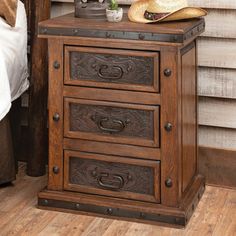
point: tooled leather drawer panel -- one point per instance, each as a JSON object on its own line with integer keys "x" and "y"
{"x": 111, "y": 68}
{"x": 111, "y": 122}
{"x": 109, "y": 175}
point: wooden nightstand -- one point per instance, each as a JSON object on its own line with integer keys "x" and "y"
{"x": 123, "y": 119}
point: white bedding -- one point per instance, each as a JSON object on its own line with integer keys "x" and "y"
{"x": 13, "y": 60}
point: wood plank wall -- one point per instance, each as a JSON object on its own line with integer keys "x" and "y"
{"x": 216, "y": 88}
{"x": 61, "y": 7}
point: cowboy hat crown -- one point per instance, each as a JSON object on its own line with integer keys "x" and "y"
{"x": 165, "y": 6}
{"x": 148, "y": 11}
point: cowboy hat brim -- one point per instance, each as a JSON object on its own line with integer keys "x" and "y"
{"x": 137, "y": 10}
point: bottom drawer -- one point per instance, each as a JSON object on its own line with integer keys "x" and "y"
{"x": 112, "y": 176}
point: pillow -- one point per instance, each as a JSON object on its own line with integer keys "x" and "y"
{"x": 8, "y": 11}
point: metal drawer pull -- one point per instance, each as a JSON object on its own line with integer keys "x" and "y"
{"x": 117, "y": 184}
{"x": 101, "y": 125}
{"x": 117, "y": 74}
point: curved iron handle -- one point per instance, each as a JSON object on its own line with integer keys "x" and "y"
{"x": 114, "y": 77}
{"x": 120, "y": 181}
{"x": 101, "y": 121}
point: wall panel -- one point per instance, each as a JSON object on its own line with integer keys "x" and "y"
{"x": 217, "y": 112}
{"x": 220, "y": 23}
{"x": 217, "y": 52}
{"x": 220, "y": 138}
{"x": 217, "y": 82}
{"x": 221, "y": 4}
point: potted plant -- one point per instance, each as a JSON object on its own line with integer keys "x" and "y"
{"x": 114, "y": 13}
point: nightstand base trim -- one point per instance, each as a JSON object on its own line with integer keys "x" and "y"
{"x": 123, "y": 209}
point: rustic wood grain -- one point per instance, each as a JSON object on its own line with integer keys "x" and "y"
{"x": 216, "y": 137}
{"x": 218, "y": 166}
{"x": 66, "y": 22}
{"x": 217, "y": 112}
{"x": 217, "y": 82}
{"x": 218, "y": 53}
{"x": 56, "y": 109}
{"x": 169, "y": 145}
{"x": 112, "y": 149}
{"x": 189, "y": 117}
{"x": 226, "y": 223}
{"x": 134, "y": 97}
{"x": 227, "y": 4}
{"x": 40, "y": 10}
{"x": 220, "y": 23}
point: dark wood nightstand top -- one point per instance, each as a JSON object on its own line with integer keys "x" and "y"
{"x": 170, "y": 32}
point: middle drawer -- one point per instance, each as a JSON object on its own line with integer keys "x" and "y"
{"x": 111, "y": 122}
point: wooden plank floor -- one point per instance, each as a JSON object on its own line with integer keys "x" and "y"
{"x": 215, "y": 215}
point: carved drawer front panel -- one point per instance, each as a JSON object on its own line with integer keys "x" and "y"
{"x": 112, "y": 176}
{"x": 111, "y": 122}
{"x": 111, "y": 68}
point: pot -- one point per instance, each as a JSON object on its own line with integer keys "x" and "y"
{"x": 114, "y": 15}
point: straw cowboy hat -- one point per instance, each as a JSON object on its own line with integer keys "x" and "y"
{"x": 148, "y": 11}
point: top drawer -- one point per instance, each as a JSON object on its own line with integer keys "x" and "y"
{"x": 112, "y": 68}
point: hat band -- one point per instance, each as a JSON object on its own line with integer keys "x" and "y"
{"x": 154, "y": 16}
